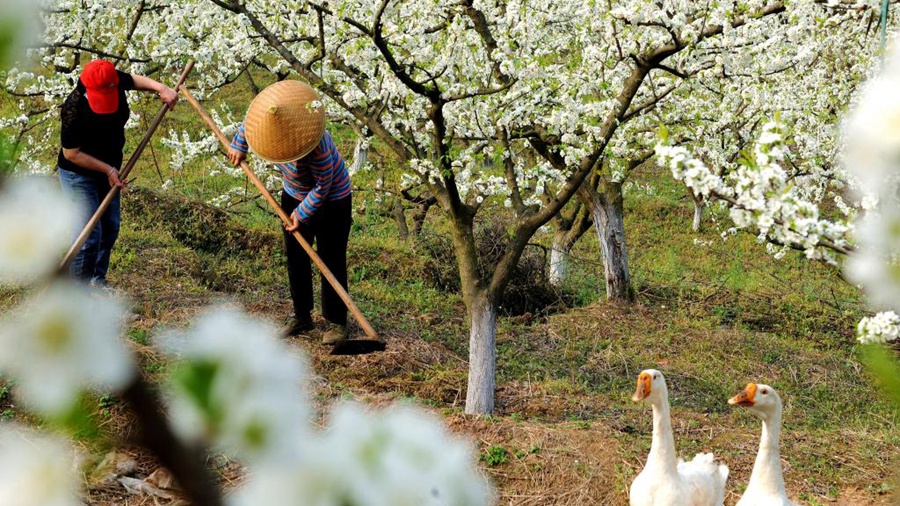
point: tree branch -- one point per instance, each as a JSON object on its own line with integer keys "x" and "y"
{"x": 98, "y": 52}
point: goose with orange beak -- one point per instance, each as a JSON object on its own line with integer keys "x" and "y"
{"x": 766, "y": 486}
{"x": 667, "y": 480}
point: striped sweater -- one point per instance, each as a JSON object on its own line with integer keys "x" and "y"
{"x": 319, "y": 176}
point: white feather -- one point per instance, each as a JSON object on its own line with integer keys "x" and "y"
{"x": 766, "y": 486}
{"x": 665, "y": 481}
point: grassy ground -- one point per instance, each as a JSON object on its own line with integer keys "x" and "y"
{"x": 711, "y": 316}
{"x": 565, "y": 431}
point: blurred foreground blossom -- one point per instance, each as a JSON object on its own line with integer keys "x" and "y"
{"x": 19, "y": 28}
{"x": 872, "y": 133}
{"x": 872, "y": 156}
{"x": 35, "y": 235}
{"x": 397, "y": 457}
{"x": 35, "y": 470}
{"x": 238, "y": 387}
{"x": 62, "y": 342}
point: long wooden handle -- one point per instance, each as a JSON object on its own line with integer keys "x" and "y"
{"x": 367, "y": 328}
{"x": 123, "y": 174}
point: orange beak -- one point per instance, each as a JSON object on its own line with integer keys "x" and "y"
{"x": 643, "y": 388}
{"x": 747, "y": 397}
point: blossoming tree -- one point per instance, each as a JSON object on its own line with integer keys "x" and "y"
{"x": 803, "y": 63}
{"x": 762, "y": 194}
{"x": 480, "y": 99}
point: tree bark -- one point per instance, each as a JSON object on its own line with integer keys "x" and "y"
{"x": 360, "y": 155}
{"x": 482, "y": 356}
{"x": 698, "y": 215}
{"x": 397, "y": 212}
{"x": 420, "y": 212}
{"x": 699, "y": 204}
{"x": 253, "y": 87}
{"x": 559, "y": 260}
{"x": 569, "y": 227}
{"x": 481, "y": 306}
{"x": 609, "y": 222}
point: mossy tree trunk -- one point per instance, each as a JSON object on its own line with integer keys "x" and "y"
{"x": 568, "y": 229}
{"x": 609, "y": 222}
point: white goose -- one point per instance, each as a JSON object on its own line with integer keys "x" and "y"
{"x": 667, "y": 480}
{"x": 766, "y": 487}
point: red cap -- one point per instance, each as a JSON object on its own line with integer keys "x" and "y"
{"x": 102, "y": 83}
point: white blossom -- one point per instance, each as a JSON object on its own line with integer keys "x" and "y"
{"x": 35, "y": 469}
{"x": 397, "y": 457}
{"x": 872, "y": 155}
{"x": 881, "y": 328}
{"x": 762, "y": 196}
{"x": 238, "y": 387}
{"x": 34, "y": 236}
{"x": 62, "y": 342}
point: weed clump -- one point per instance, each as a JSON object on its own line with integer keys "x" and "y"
{"x": 529, "y": 289}
{"x": 197, "y": 225}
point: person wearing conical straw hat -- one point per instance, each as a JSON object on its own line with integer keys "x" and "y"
{"x": 285, "y": 125}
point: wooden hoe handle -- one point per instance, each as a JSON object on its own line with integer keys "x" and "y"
{"x": 367, "y": 328}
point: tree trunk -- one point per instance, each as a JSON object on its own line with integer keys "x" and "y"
{"x": 482, "y": 311}
{"x": 397, "y": 212}
{"x": 559, "y": 259}
{"x": 253, "y": 87}
{"x": 609, "y": 222}
{"x": 698, "y": 214}
{"x": 360, "y": 155}
{"x": 699, "y": 204}
{"x": 482, "y": 356}
{"x": 420, "y": 212}
{"x": 569, "y": 227}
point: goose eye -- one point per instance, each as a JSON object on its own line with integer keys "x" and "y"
{"x": 764, "y": 391}
{"x": 656, "y": 376}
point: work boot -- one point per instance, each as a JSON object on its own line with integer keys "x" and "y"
{"x": 297, "y": 325}
{"x": 335, "y": 334}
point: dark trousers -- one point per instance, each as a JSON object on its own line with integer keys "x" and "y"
{"x": 330, "y": 229}
{"x": 92, "y": 262}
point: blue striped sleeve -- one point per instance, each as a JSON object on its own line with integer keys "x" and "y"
{"x": 321, "y": 164}
{"x": 239, "y": 142}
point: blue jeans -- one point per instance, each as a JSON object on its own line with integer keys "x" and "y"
{"x": 92, "y": 261}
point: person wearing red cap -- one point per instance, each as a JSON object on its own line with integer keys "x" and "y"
{"x": 93, "y": 121}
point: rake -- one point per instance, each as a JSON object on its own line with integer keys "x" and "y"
{"x": 347, "y": 346}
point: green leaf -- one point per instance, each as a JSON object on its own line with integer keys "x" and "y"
{"x": 196, "y": 380}
{"x": 663, "y": 134}
{"x": 8, "y": 29}
{"x": 885, "y": 369}
{"x": 78, "y": 420}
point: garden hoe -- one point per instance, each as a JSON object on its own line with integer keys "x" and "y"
{"x": 347, "y": 346}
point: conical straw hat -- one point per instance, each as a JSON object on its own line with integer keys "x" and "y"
{"x": 285, "y": 121}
